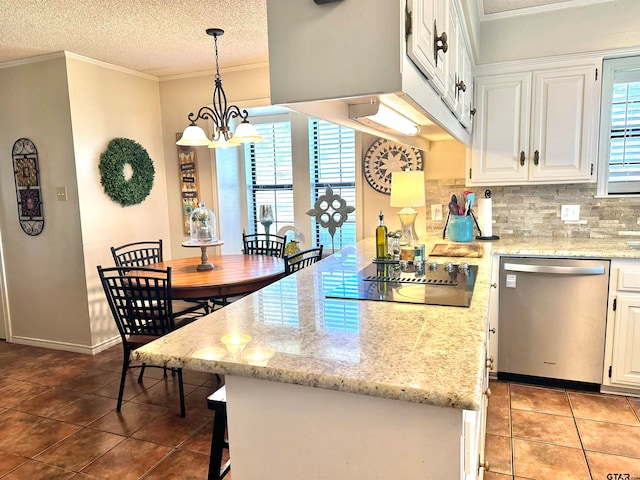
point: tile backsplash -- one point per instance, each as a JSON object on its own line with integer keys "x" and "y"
{"x": 534, "y": 210}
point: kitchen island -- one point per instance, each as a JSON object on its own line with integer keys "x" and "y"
{"x": 354, "y": 389}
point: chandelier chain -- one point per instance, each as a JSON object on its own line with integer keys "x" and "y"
{"x": 215, "y": 43}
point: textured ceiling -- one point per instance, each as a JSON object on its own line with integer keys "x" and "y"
{"x": 164, "y": 37}
{"x": 158, "y": 37}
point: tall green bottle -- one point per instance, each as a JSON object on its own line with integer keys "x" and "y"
{"x": 381, "y": 238}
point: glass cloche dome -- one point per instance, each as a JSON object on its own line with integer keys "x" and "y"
{"x": 203, "y": 225}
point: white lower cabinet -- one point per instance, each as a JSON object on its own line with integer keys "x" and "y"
{"x": 492, "y": 355}
{"x": 622, "y": 353}
{"x": 473, "y": 462}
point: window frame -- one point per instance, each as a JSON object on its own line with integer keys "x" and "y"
{"x": 252, "y": 204}
{"x": 318, "y": 187}
{"x": 611, "y": 67}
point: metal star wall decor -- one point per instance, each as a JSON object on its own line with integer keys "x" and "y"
{"x": 384, "y": 157}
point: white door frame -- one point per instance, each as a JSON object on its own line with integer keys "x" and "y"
{"x": 5, "y": 325}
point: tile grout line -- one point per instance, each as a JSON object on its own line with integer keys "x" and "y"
{"x": 513, "y": 447}
{"x": 575, "y": 422}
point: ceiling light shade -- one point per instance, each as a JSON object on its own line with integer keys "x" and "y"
{"x": 380, "y": 114}
{"x": 246, "y": 133}
{"x": 193, "y": 136}
{"x": 221, "y": 115}
{"x": 222, "y": 143}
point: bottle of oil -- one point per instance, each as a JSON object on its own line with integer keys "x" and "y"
{"x": 381, "y": 238}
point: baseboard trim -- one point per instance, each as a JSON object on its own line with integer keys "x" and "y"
{"x": 69, "y": 347}
{"x": 610, "y": 389}
{"x": 549, "y": 382}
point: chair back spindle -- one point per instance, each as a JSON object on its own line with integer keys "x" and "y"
{"x": 302, "y": 259}
{"x": 137, "y": 254}
{"x": 263, "y": 244}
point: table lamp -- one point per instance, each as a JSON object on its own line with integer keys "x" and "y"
{"x": 407, "y": 191}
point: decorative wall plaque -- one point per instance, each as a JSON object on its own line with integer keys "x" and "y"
{"x": 28, "y": 193}
{"x": 189, "y": 186}
{"x": 384, "y": 157}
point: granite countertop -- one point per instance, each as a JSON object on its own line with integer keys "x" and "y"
{"x": 417, "y": 353}
{"x": 567, "y": 247}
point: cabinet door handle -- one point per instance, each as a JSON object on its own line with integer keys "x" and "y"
{"x": 522, "y": 158}
{"x": 461, "y": 86}
{"x": 489, "y": 364}
{"x": 536, "y": 158}
{"x": 439, "y": 42}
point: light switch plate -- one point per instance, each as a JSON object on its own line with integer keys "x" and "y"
{"x": 61, "y": 194}
{"x": 570, "y": 213}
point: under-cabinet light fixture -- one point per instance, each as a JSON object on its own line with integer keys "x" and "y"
{"x": 375, "y": 114}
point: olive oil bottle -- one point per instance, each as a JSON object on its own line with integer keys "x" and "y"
{"x": 381, "y": 238}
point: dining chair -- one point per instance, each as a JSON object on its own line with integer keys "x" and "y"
{"x": 263, "y": 244}
{"x": 217, "y": 402}
{"x": 302, "y": 259}
{"x": 140, "y": 302}
{"x": 143, "y": 254}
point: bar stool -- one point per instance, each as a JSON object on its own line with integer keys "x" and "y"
{"x": 217, "y": 402}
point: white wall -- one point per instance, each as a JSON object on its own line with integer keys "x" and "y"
{"x": 445, "y": 160}
{"x": 71, "y": 107}
{"x": 107, "y": 102}
{"x": 179, "y": 97}
{"x": 46, "y": 290}
{"x": 602, "y": 26}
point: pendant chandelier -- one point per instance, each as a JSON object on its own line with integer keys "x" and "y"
{"x": 220, "y": 115}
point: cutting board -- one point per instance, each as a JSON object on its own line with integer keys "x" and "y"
{"x": 471, "y": 250}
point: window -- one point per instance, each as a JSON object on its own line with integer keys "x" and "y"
{"x": 620, "y": 127}
{"x": 333, "y": 161}
{"x": 322, "y": 155}
{"x": 271, "y": 174}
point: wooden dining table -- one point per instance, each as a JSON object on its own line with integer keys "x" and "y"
{"x": 232, "y": 275}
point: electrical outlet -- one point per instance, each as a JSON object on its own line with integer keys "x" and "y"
{"x": 436, "y": 212}
{"x": 570, "y": 213}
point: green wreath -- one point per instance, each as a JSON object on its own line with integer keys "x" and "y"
{"x": 119, "y": 152}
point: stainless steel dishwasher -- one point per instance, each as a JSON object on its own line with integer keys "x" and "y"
{"x": 552, "y": 320}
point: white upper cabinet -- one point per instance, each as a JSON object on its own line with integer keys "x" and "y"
{"x": 337, "y": 60}
{"x": 536, "y": 127}
{"x": 428, "y": 44}
{"x": 501, "y": 134}
{"x": 437, "y": 46}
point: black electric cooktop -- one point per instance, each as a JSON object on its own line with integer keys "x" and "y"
{"x": 440, "y": 284}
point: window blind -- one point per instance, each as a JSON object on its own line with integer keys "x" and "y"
{"x": 272, "y": 173}
{"x": 332, "y": 153}
{"x": 624, "y": 132}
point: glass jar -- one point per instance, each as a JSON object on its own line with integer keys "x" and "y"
{"x": 202, "y": 225}
{"x": 460, "y": 228}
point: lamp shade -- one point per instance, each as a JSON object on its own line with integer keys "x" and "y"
{"x": 193, "y": 136}
{"x": 407, "y": 189}
{"x": 245, "y": 133}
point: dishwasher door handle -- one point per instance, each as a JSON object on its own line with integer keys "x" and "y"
{"x": 555, "y": 269}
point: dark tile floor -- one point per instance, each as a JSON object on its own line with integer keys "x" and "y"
{"x": 58, "y": 419}
{"x": 551, "y": 434}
